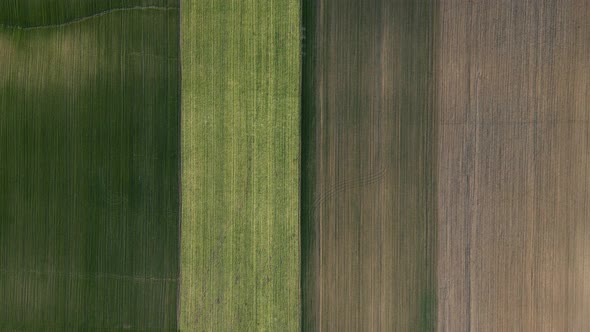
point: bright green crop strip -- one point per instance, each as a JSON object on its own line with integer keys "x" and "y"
{"x": 240, "y": 65}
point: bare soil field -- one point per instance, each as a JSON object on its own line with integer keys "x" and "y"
{"x": 513, "y": 87}
{"x": 445, "y": 165}
{"x": 368, "y": 163}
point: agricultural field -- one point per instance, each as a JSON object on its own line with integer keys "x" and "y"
{"x": 89, "y": 155}
{"x": 368, "y": 217}
{"x": 240, "y": 166}
{"x": 294, "y": 165}
{"x": 512, "y": 165}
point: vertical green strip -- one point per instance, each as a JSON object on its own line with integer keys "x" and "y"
{"x": 240, "y": 165}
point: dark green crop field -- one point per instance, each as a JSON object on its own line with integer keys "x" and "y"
{"x": 89, "y": 154}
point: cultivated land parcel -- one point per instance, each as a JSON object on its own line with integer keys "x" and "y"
{"x": 89, "y": 159}
{"x": 240, "y": 166}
